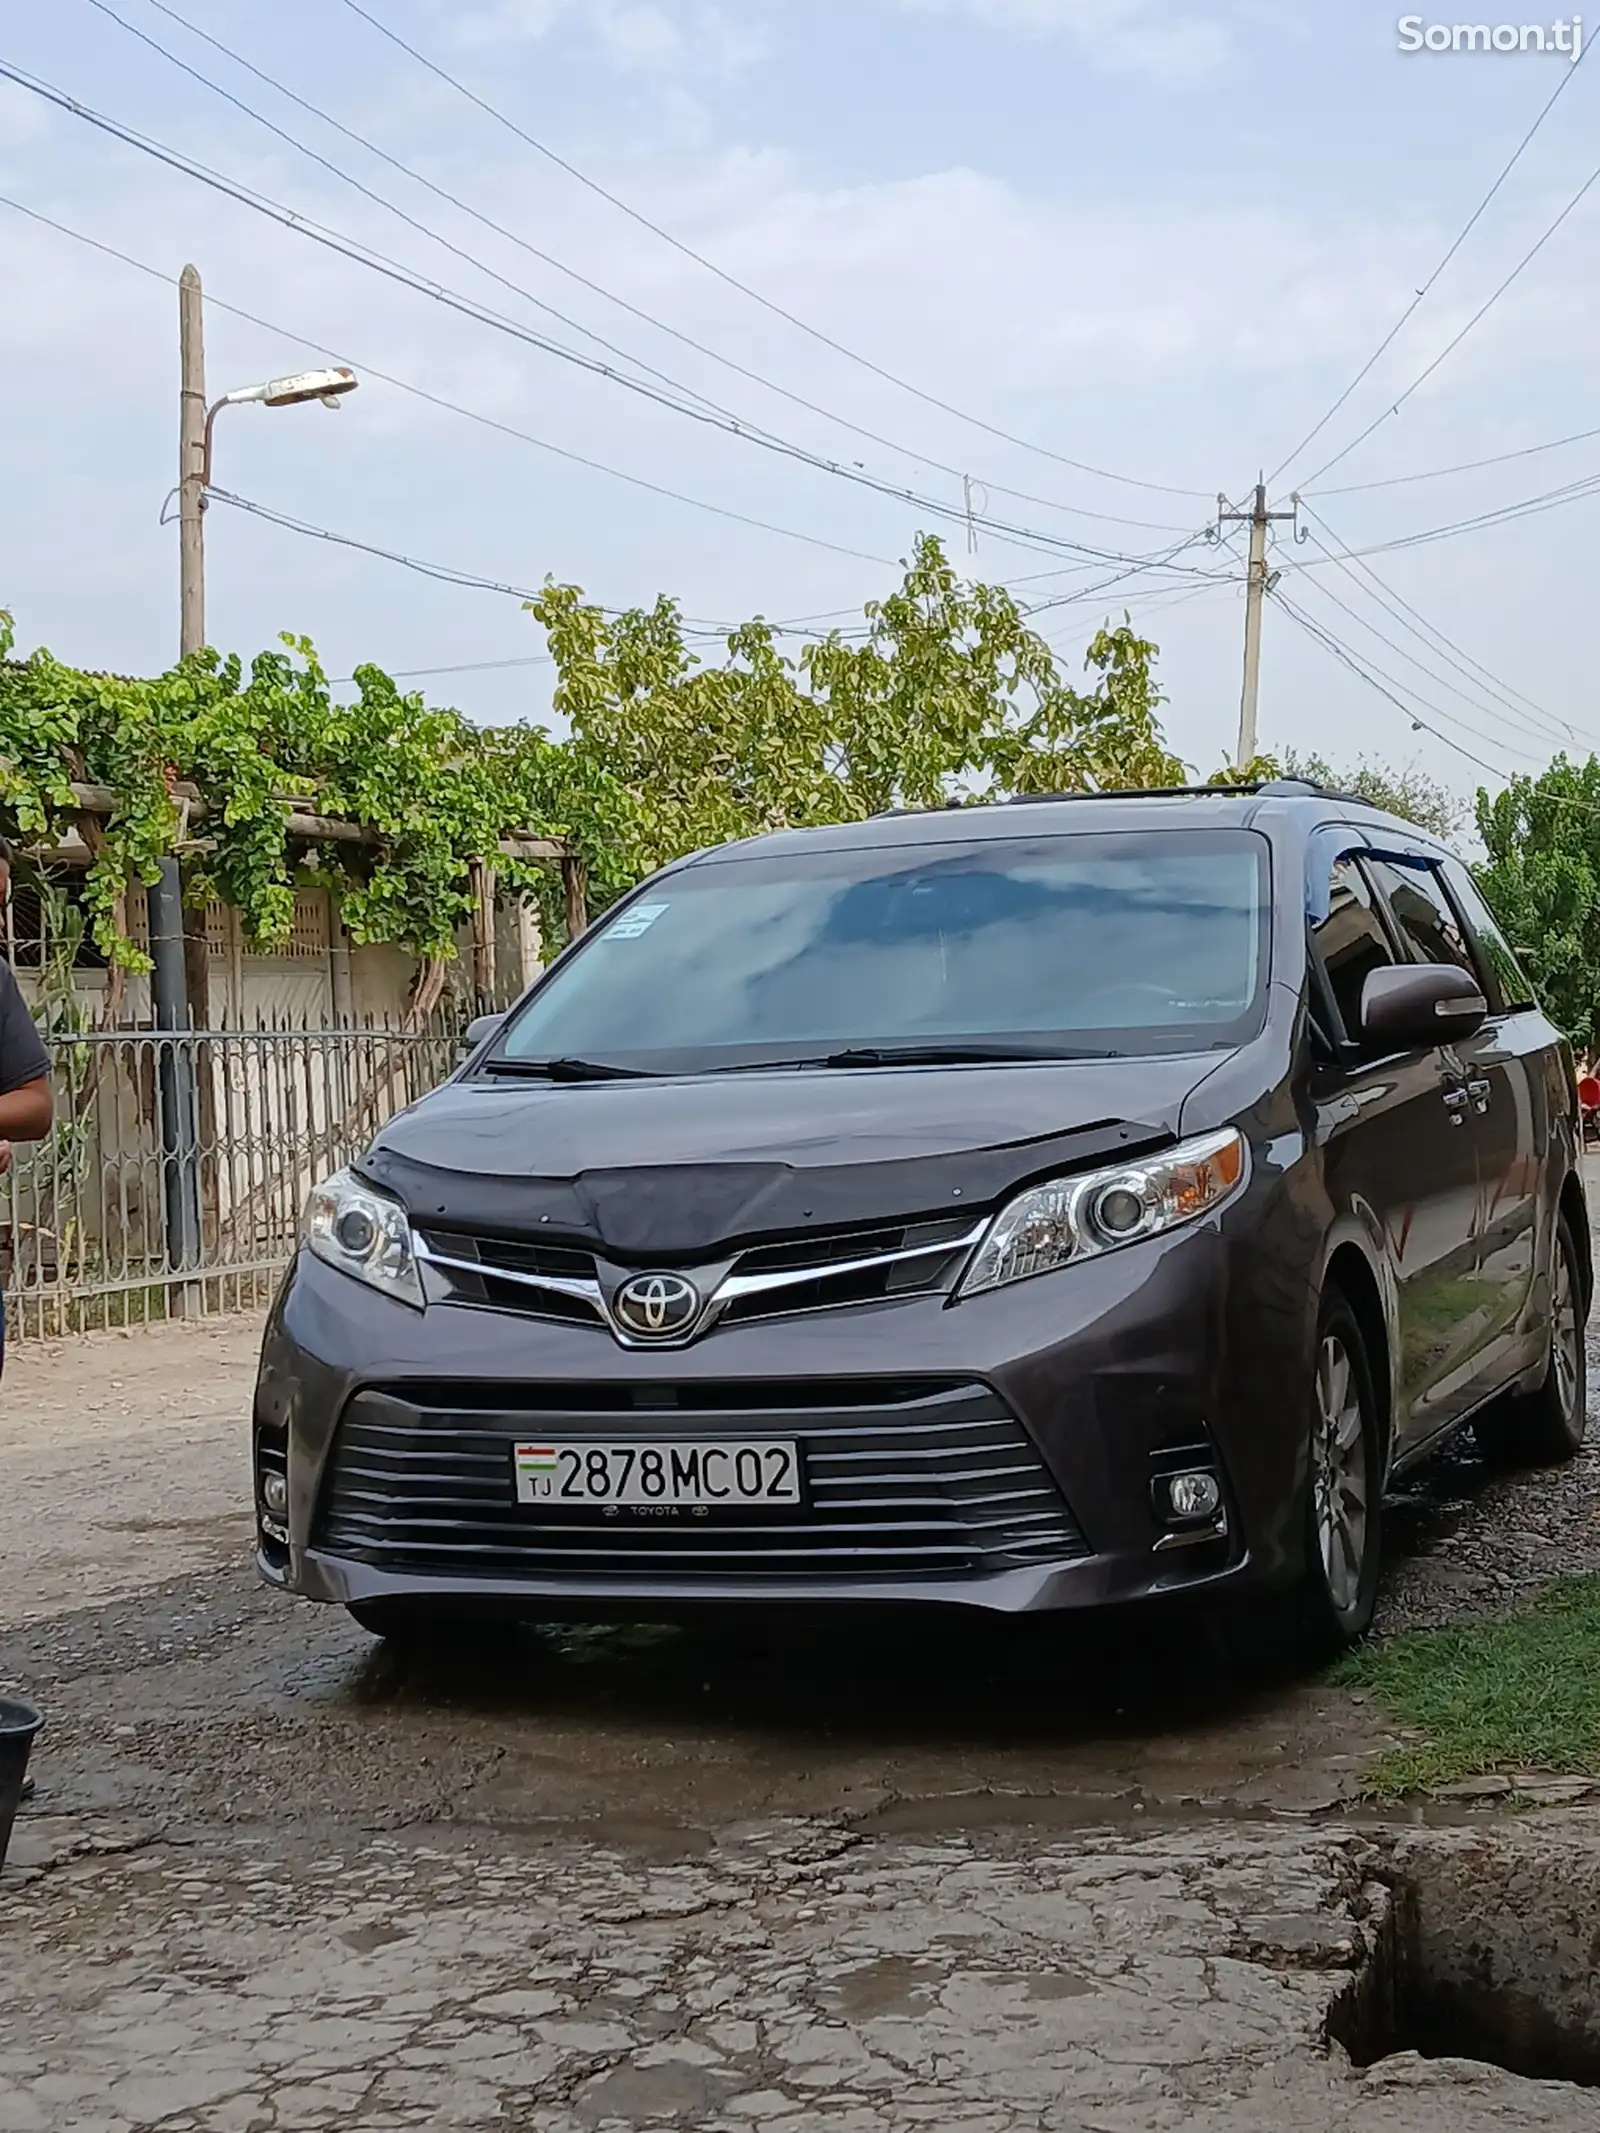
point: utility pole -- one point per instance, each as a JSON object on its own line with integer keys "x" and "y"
{"x": 1258, "y": 518}
{"x": 191, "y": 465}
{"x": 168, "y": 981}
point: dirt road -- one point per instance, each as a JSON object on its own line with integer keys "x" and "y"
{"x": 277, "y": 1876}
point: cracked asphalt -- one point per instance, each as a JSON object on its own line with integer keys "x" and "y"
{"x": 279, "y": 1876}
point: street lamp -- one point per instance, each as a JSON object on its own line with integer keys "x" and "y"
{"x": 328, "y": 386}
{"x": 169, "y": 987}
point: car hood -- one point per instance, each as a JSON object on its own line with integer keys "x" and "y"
{"x": 685, "y": 1166}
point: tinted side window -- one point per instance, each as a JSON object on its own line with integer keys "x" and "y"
{"x": 1510, "y": 979}
{"x": 1427, "y": 920}
{"x": 1351, "y": 941}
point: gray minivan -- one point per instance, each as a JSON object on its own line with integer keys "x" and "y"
{"x": 1024, "y": 1206}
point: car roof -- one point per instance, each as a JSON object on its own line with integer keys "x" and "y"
{"x": 1287, "y": 807}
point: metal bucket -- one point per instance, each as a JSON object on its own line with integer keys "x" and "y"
{"x": 19, "y": 1722}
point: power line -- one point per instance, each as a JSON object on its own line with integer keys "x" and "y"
{"x": 470, "y": 666}
{"x": 1347, "y": 658}
{"x": 470, "y": 414}
{"x": 744, "y": 288}
{"x": 1396, "y": 605}
{"x": 449, "y": 574}
{"x": 446, "y": 573}
{"x": 378, "y": 200}
{"x": 1472, "y": 222}
{"x": 549, "y": 259}
{"x": 1505, "y": 514}
{"x": 1451, "y": 717}
{"x": 392, "y": 270}
{"x": 1465, "y": 466}
{"x": 1482, "y": 311}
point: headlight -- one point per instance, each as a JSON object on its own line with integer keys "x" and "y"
{"x": 364, "y": 1233}
{"x": 1074, "y": 1218}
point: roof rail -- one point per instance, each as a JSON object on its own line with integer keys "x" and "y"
{"x": 890, "y": 814}
{"x": 1258, "y": 788}
{"x": 1146, "y": 792}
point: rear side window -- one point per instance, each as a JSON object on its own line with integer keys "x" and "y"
{"x": 1424, "y": 914}
{"x": 1510, "y": 979}
{"x": 1351, "y": 941}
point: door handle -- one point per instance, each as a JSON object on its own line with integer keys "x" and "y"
{"x": 1479, "y": 1092}
{"x": 1455, "y": 1102}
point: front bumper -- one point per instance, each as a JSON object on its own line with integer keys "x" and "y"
{"x": 1100, "y": 1378}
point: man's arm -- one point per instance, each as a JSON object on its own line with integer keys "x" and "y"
{"x": 26, "y": 1114}
{"x": 26, "y": 1108}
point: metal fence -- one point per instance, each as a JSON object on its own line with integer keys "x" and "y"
{"x": 116, "y": 1220}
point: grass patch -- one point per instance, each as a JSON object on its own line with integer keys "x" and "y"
{"x": 1521, "y": 1694}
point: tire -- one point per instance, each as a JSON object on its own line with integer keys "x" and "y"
{"x": 1546, "y": 1427}
{"x": 1344, "y": 1489}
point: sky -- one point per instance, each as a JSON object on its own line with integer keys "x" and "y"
{"x": 1079, "y": 266}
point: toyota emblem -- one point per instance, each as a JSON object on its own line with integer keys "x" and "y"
{"x": 656, "y": 1307}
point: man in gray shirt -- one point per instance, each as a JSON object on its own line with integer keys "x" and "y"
{"x": 26, "y": 1107}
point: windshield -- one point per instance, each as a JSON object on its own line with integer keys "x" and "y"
{"x": 1060, "y": 945}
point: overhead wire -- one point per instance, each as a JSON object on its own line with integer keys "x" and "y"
{"x": 1456, "y": 339}
{"x": 378, "y": 199}
{"x": 1452, "y": 717}
{"x": 1512, "y": 701}
{"x": 1502, "y": 515}
{"x": 549, "y": 259}
{"x": 745, "y": 288}
{"x": 1465, "y": 466}
{"x": 470, "y": 414}
{"x": 1346, "y": 658}
{"x": 1023, "y": 537}
{"x": 1400, "y": 323}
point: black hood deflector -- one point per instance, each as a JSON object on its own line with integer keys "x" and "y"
{"x": 695, "y": 1210}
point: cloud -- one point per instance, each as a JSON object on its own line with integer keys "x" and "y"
{"x": 1118, "y": 325}
{"x": 1130, "y": 36}
{"x": 633, "y": 36}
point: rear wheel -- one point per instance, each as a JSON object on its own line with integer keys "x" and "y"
{"x": 1546, "y": 1428}
{"x": 1344, "y": 1488}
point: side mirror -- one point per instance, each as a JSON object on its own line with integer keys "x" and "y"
{"x": 1412, "y": 1005}
{"x": 479, "y": 1032}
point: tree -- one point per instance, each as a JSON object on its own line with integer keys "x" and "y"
{"x": 948, "y": 694}
{"x": 1542, "y": 836}
{"x": 944, "y": 694}
{"x": 1406, "y": 791}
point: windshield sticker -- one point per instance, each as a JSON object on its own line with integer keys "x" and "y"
{"x": 632, "y": 923}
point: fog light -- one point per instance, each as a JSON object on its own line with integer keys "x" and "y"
{"x": 275, "y": 1495}
{"x": 1194, "y": 1496}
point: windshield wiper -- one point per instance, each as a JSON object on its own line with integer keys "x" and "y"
{"x": 877, "y": 1055}
{"x": 893, "y": 1055}
{"x": 566, "y": 1070}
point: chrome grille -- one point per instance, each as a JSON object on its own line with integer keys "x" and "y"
{"x": 919, "y": 1479}
{"x": 808, "y": 1273}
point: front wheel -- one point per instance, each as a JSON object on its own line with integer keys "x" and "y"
{"x": 1546, "y": 1428}
{"x": 1344, "y": 1489}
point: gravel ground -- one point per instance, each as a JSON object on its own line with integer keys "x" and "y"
{"x": 1466, "y": 1540}
{"x": 277, "y": 1875}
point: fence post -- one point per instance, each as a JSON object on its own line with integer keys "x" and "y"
{"x": 484, "y": 976}
{"x": 180, "y": 1176}
{"x": 575, "y": 888}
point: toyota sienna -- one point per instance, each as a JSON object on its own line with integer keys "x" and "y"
{"x": 1042, "y": 1205}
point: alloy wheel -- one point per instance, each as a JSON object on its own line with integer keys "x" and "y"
{"x": 1339, "y": 1477}
{"x": 1565, "y": 1334}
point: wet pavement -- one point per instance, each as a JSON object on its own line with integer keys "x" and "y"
{"x": 278, "y": 1875}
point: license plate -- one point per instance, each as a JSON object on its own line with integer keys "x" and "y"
{"x": 699, "y": 1476}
